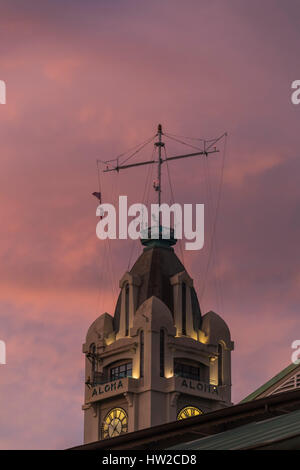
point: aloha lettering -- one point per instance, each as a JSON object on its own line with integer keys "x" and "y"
{"x": 202, "y": 387}
{"x": 110, "y": 387}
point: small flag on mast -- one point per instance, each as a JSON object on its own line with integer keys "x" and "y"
{"x": 97, "y": 195}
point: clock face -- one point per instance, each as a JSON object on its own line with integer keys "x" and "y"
{"x": 189, "y": 412}
{"x": 115, "y": 423}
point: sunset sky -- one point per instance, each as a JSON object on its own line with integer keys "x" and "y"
{"x": 89, "y": 79}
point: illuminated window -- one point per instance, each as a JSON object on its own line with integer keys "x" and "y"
{"x": 183, "y": 309}
{"x": 220, "y": 364}
{"x": 127, "y": 310}
{"x": 142, "y": 354}
{"x": 162, "y": 353}
{"x": 121, "y": 371}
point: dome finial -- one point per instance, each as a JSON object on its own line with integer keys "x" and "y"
{"x": 158, "y": 237}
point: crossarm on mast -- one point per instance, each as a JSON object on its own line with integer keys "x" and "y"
{"x": 123, "y": 167}
{"x": 149, "y": 162}
{"x": 190, "y": 155}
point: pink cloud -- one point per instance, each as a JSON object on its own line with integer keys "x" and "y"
{"x": 92, "y": 81}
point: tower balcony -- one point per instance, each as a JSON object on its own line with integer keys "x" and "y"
{"x": 197, "y": 388}
{"x": 111, "y": 389}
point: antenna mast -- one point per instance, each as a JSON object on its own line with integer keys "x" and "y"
{"x": 160, "y": 144}
{"x": 157, "y": 186}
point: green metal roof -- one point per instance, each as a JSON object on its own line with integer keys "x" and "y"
{"x": 249, "y": 435}
{"x": 271, "y": 382}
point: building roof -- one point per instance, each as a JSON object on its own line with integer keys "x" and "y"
{"x": 253, "y": 435}
{"x": 274, "y": 380}
{"x": 185, "y": 431}
{"x": 155, "y": 266}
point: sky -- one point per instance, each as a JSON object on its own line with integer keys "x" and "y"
{"x": 90, "y": 79}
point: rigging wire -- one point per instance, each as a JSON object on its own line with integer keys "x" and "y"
{"x": 136, "y": 149}
{"x": 182, "y": 142}
{"x": 108, "y": 256}
{"x": 212, "y": 221}
{"x": 213, "y": 242}
{"x": 212, "y": 225}
{"x": 100, "y": 271}
{"x": 213, "y": 245}
{"x": 190, "y": 138}
{"x": 105, "y": 263}
{"x": 216, "y": 218}
{"x": 208, "y": 202}
{"x": 144, "y": 199}
{"x": 212, "y": 142}
{"x": 139, "y": 149}
{"x": 173, "y": 198}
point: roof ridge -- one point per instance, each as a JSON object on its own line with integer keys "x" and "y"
{"x": 291, "y": 367}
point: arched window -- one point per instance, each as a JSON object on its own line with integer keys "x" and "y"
{"x": 127, "y": 310}
{"x": 183, "y": 309}
{"x": 220, "y": 364}
{"x": 162, "y": 353}
{"x": 141, "y": 354}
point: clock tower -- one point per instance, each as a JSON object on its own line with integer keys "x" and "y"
{"x": 158, "y": 359}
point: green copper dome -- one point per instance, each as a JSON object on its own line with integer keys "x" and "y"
{"x": 158, "y": 237}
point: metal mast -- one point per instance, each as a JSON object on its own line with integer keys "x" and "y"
{"x": 157, "y": 186}
{"x": 160, "y": 144}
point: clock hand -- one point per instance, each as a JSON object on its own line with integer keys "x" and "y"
{"x": 115, "y": 427}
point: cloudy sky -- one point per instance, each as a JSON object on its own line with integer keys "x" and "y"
{"x": 88, "y": 79}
